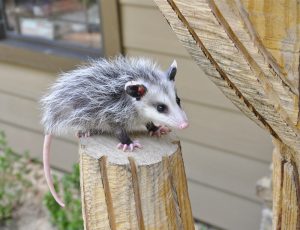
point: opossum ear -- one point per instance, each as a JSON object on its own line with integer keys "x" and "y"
{"x": 135, "y": 89}
{"x": 172, "y": 71}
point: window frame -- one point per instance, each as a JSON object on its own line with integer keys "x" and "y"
{"x": 59, "y": 55}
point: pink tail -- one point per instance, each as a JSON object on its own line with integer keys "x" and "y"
{"x": 46, "y": 153}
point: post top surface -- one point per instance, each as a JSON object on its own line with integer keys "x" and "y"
{"x": 154, "y": 148}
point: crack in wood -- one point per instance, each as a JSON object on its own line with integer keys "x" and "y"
{"x": 279, "y": 212}
{"x": 83, "y": 198}
{"x": 259, "y": 73}
{"x": 273, "y": 64}
{"x": 298, "y": 93}
{"x": 286, "y": 196}
{"x": 172, "y": 209}
{"x": 108, "y": 198}
{"x": 136, "y": 192}
{"x": 297, "y": 188}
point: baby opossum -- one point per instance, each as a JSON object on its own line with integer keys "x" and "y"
{"x": 115, "y": 96}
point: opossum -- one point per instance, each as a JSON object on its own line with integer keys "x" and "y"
{"x": 115, "y": 96}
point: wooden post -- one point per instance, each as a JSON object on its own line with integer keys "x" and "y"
{"x": 144, "y": 189}
{"x": 286, "y": 189}
{"x": 250, "y": 50}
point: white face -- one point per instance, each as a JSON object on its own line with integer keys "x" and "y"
{"x": 158, "y": 103}
{"x": 162, "y": 107}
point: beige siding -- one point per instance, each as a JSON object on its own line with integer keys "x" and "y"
{"x": 223, "y": 209}
{"x": 20, "y": 90}
{"x": 63, "y": 153}
{"x": 225, "y": 153}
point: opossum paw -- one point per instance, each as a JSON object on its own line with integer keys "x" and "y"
{"x": 160, "y": 131}
{"x": 137, "y": 144}
{"x": 130, "y": 147}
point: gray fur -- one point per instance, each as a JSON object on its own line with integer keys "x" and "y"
{"x": 93, "y": 97}
{"x": 115, "y": 96}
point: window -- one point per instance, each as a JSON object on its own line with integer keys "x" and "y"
{"x": 73, "y": 21}
{"x": 65, "y": 27}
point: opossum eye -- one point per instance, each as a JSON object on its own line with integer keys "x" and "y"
{"x": 162, "y": 108}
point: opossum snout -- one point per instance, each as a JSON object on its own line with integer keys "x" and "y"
{"x": 183, "y": 125}
{"x": 182, "y": 120}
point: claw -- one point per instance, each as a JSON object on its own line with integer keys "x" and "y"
{"x": 160, "y": 131}
{"x": 137, "y": 144}
{"x": 131, "y": 147}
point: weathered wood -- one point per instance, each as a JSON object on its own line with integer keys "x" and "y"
{"x": 110, "y": 28}
{"x": 250, "y": 50}
{"x": 276, "y": 25}
{"x": 286, "y": 189}
{"x": 144, "y": 189}
{"x": 233, "y": 67}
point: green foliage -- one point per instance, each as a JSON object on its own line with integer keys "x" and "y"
{"x": 13, "y": 184}
{"x": 70, "y": 217}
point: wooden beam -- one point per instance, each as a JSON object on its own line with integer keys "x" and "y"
{"x": 110, "y": 27}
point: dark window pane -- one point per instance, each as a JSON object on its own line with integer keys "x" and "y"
{"x": 73, "y": 21}
{"x": 2, "y": 20}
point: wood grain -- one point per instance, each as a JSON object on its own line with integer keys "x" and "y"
{"x": 140, "y": 196}
{"x": 286, "y": 189}
{"x": 277, "y": 27}
{"x": 106, "y": 188}
{"x": 137, "y": 195}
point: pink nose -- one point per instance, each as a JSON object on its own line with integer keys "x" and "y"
{"x": 183, "y": 125}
